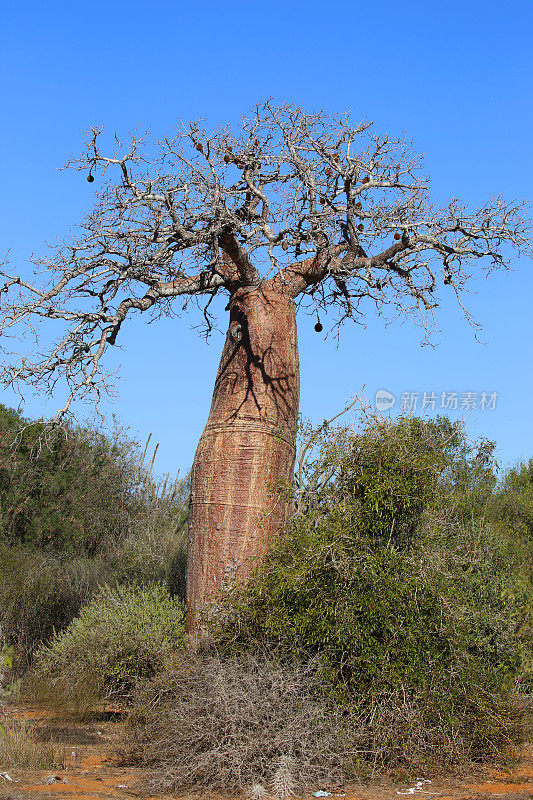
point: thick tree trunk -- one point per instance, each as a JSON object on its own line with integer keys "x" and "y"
{"x": 247, "y": 448}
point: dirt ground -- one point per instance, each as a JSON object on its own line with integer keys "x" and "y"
{"x": 93, "y": 772}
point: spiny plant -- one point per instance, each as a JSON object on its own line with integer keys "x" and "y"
{"x": 283, "y": 782}
{"x": 256, "y": 792}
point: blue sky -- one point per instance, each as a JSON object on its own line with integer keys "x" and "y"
{"x": 456, "y": 77}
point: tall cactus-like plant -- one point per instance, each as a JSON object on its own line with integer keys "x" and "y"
{"x": 283, "y": 781}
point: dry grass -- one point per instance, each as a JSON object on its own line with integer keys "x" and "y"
{"x": 83, "y": 705}
{"x": 20, "y": 748}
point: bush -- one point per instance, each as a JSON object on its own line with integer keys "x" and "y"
{"x": 263, "y": 724}
{"x": 512, "y": 506}
{"x": 72, "y": 489}
{"x": 123, "y": 635}
{"x": 42, "y": 592}
{"x": 9, "y": 690}
{"x": 78, "y": 509}
{"x": 6, "y": 663}
{"x": 60, "y": 489}
{"x": 400, "y": 592}
{"x": 230, "y": 723}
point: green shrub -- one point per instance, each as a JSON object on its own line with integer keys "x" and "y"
{"x": 123, "y": 635}
{"x": 41, "y": 592}
{"x": 388, "y": 473}
{"x": 398, "y": 590}
{"x": 60, "y": 490}
{"x": 512, "y": 506}
{"x": 72, "y": 489}
{"x": 78, "y": 509}
{"x": 6, "y": 689}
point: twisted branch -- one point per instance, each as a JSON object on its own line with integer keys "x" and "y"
{"x": 330, "y": 212}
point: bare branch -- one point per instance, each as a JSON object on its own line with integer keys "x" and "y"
{"x": 330, "y": 212}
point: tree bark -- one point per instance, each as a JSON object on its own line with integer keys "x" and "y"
{"x": 247, "y": 448}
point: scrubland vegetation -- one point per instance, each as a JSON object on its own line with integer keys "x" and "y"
{"x": 122, "y": 636}
{"x": 389, "y": 630}
{"x": 78, "y": 510}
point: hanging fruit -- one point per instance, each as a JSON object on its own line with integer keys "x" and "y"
{"x": 319, "y": 327}
{"x": 397, "y": 236}
{"x": 358, "y": 206}
{"x": 200, "y": 147}
{"x": 366, "y": 179}
{"x": 227, "y": 159}
{"x": 360, "y": 227}
{"x": 90, "y": 178}
{"x": 328, "y": 172}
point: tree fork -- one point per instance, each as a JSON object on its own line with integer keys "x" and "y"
{"x": 247, "y": 448}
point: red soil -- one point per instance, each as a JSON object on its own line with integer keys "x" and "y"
{"x": 92, "y": 772}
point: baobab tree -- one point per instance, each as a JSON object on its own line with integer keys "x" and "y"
{"x": 290, "y": 210}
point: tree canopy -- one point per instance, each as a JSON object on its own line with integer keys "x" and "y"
{"x": 333, "y": 212}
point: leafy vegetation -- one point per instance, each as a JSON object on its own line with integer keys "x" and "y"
{"x": 6, "y": 662}
{"x": 391, "y": 627}
{"x": 69, "y": 490}
{"x": 125, "y": 634}
{"x": 513, "y": 502}
{"x": 78, "y": 509}
{"x": 395, "y": 576}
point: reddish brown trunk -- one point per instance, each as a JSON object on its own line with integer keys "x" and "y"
{"x": 247, "y": 447}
